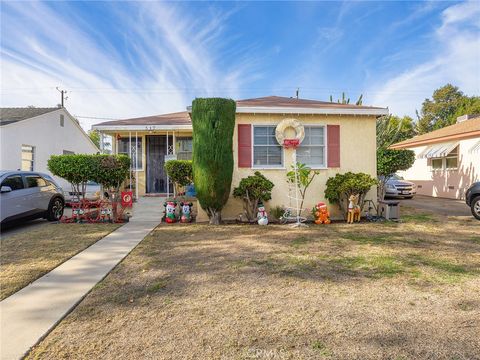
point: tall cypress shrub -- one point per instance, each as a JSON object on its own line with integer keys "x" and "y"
{"x": 213, "y": 121}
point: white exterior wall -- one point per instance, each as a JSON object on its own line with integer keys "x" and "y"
{"x": 47, "y": 136}
{"x": 446, "y": 183}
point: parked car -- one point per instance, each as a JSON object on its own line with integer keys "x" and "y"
{"x": 92, "y": 192}
{"x": 397, "y": 187}
{"x": 29, "y": 195}
{"x": 472, "y": 198}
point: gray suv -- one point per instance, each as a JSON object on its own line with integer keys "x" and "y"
{"x": 28, "y": 195}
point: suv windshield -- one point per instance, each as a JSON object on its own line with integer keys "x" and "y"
{"x": 396, "y": 177}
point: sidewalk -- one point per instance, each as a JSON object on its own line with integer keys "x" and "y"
{"x": 28, "y": 315}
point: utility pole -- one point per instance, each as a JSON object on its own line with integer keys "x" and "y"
{"x": 297, "y": 92}
{"x": 62, "y": 94}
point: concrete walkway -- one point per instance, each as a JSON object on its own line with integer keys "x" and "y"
{"x": 28, "y": 315}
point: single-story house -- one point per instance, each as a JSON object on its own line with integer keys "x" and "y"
{"x": 30, "y": 135}
{"x": 447, "y": 161}
{"x": 338, "y": 138}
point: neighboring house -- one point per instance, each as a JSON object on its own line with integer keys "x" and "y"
{"x": 339, "y": 138}
{"x": 29, "y": 136}
{"x": 447, "y": 160}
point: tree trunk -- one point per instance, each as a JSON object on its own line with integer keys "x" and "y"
{"x": 215, "y": 217}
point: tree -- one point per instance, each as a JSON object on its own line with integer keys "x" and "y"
{"x": 213, "y": 121}
{"x": 180, "y": 172}
{"x": 341, "y": 186}
{"x": 447, "y": 103}
{"x": 392, "y": 129}
{"x": 389, "y": 162}
{"x": 94, "y": 135}
{"x": 346, "y": 100}
{"x": 253, "y": 190}
{"x": 305, "y": 176}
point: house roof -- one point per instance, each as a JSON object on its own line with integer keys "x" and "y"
{"x": 269, "y": 104}
{"x": 279, "y": 101}
{"x": 465, "y": 129}
{"x": 13, "y": 115}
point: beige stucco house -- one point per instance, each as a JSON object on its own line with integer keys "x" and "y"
{"x": 338, "y": 138}
{"x": 447, "y": 160}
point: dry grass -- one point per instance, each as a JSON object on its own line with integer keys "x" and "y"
{"x": 26, "y": 256}
{"x": 363, "y": 291}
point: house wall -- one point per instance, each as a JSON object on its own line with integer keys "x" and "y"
{"x": 446, "y": 183}
{"x": 49, "y": 138}
{"x": 357, "y": 154}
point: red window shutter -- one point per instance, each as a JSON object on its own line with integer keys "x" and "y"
{"x": 244, "y": 145}
{"x": 333, "y": 145}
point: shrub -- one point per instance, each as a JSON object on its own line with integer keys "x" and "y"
{"x": 277, "y": 212}
{"x": 389, "y": 162}
{"x": 340, "y": 187}
{"x": 180, "y": 171}
{"x": 252, "y": 190}
{"x": 213, "y": 121}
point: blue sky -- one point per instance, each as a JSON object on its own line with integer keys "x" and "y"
{"x": 126, "y": 59}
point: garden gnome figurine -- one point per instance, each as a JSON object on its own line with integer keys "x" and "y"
{"x": 262, "y": 215}
{"x": 322, "y": 215}
{"x": 353, "y": 209}
{"x": 170, "y": 206}
{"x": 186, "y": 209}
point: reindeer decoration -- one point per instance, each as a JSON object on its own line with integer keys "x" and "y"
{"x": 353, "y": 209}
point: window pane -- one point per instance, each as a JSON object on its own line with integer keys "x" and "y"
{"x": 123, "y": 148}
{"x": 35, "y": 181}
{"x": 27, "y": 165}
{"x": 260, "y": 155}
{"x": 452, "y": 163}
{"x": 14, "y": 182}
{"x": 260, "y": 140}
{"x": 260, "y": 131}
{"x": 436, "y": 163}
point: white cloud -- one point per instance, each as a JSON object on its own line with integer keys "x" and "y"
{"x": 170, "y": 58}
{"x": 457, "y": 61}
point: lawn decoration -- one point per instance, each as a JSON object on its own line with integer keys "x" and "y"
{"x": 353, "y": 209}
{"x": 321, "y": 213}
{"x": 292, "y": 213}
{"x": 170, "y": 216}
{"x": 262, "y": 215}
{"x": 186, "y": 209}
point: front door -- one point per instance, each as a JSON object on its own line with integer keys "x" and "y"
{"x": 156, "y": 151}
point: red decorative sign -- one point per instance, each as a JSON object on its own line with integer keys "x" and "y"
{"x": 127, "y": 199}
{"x": 291, "y": 143}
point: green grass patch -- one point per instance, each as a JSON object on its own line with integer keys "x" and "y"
{"x": 300, "y": 241}
{"x": 156, "y": 286}
{"x": 376, "y": 266}
{"x": 321, "y": 348}
{"x": 475, "y": 239}
{"x": 419, "y": 218}
{"x": 378, "y": 239}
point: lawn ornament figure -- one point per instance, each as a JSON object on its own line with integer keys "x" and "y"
{"x": 322, "y": 215}
{"x": 186, "y": 209}
{"x": 262, "y": 215}
{"x": 170, "y": 216}
{"x": 353, "y": 209}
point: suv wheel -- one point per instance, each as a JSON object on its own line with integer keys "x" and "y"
{"x": 55, "y": 209}
{"x": 476, "y": 207}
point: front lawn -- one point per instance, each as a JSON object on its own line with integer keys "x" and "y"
{"x": 26, "y": 256}
{"x": 362, "y": 291}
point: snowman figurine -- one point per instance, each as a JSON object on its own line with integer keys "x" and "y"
{"x": 262, "y": 215}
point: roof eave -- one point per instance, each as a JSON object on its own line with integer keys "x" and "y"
{"x": 308, "y": 110}
{"x": 418, "y": 143}
{"x": 140, "y": 127}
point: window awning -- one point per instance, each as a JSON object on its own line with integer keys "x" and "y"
{"x": 475, "y": 148}
{"x": 438, "y": 150}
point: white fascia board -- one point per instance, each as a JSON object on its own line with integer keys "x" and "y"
{"x": 297, "y": 110}
{"x": 140, "y": 127}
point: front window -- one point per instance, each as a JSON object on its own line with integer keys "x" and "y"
{"x": 437, "y": 164}
{"x": 28, "y": 157}
{"x": 35, "y": 181}
{"x": 183, "y": 148}
{"x": 131, "y": 148}
{"x": 267, "y": 152}
{"x": 311, "y": 151}
{"x": 451, "y": 161}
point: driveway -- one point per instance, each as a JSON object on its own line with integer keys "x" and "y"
{"x": 439, "y": 205}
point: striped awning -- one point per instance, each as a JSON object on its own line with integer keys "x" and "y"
{"x": 475, "y": 148}
{"x": 438, "y": 150}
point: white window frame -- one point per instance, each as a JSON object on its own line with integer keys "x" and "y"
{"x": 444, "y": 162}
{"x": 325, "y": 148}
{"x": 32, "y": 161}
{"x": 142, "y": 145}
{"x": 265, "y": 167}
